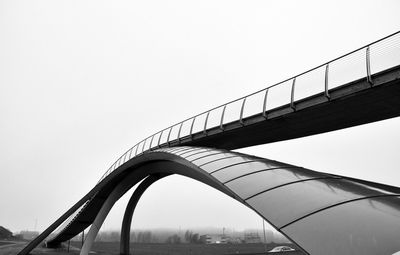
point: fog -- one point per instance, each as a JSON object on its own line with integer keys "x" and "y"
{"x": 82, "y": 81}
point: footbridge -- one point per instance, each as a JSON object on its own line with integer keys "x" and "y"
{"x": 320, "y": 212}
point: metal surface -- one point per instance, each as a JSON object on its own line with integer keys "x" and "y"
{"x": 220, "y": 161}
{"x": 327, "y": 81}
{"x": 241, "y": 111}
{"x": 223, "y": 136}
{"x": 205, "y": 123}
{"x": 264, "y": 110}
{"x": 130, "y": 208}
{"x": 214, "y": 157}
{"x": 231, "y": 172}
{"x": 368, "y": 226}
{"x": 368, "y": 65}
{"x": 194, "y": 153}
{"x": 137, "y": 147}
{"x": 169, "y": 134}
{"x": 144, "y": 143}
{"x": 151, "y": 142}
{"x": 268, "y": 179}
{"x": 191, "y": 127}
{"x": 221, "y": 123}
{"x": 295, "y": 200}
{"x": 305, "y": 197}
{"x": 204, "y": 154}
{"x": 159, "y": 139}
{"x": 179, "y": 132}
{"x": 292, "y": 199}
{"x": 292, "y": 95}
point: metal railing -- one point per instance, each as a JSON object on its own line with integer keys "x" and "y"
{"x": 68, "y": 221}
{"x": 358, "y": 64}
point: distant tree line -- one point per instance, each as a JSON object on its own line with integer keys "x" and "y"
{"x": 176, "y": 236}
{"x": 142, "y": 237}
{"x": 174, "y": 239}
{"x": 191, "y": 237}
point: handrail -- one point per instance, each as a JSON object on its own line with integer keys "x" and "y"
{"x": 121, "y": 160}
{"x": 366, "y": 62}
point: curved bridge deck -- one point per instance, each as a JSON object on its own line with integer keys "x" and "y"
{"x": 352, "y": 104}
{"x": 293, "y": 199}
{"x": 300, "y": 203}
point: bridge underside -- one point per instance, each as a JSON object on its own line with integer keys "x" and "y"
{"x": 322, "y": 213}
{"x": 352, "y": 104}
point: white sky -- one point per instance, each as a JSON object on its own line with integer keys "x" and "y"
{"x": 82, "y": 81}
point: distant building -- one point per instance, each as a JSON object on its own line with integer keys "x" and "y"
{"x": 28, "y": 235}
{"x": 5, "y": 233}
{"x": 214, "y": 239}
{"x": 252, "y": 237}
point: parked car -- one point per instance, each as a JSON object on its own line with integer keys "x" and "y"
{"x": 281, "y": 249}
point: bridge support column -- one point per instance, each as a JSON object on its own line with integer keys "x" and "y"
{"x": 116, "y": 194}
{"x": 130, "y": 208}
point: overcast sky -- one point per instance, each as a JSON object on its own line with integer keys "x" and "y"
{"x": 82, "y": 81}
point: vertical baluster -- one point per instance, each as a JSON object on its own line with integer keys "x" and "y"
{"x": 137, "y": 147}
{"x": 241, "y": 111}
{"x": 124, "y": 160}
{"x": 179, "y": 132}
{"x": 169, "y": 134}
{"x": 368, "y": 65}
{"x": 144, "y": 143}
{"x": 159, "y": 139}
{"x": 264, "y": 109}
{"x": 191, "y": 127}
{"x": 327, "y": 81}
{"x": 292, "y": 95}
{"x": 221, "y": 124}
{"x": 130, "y": 153}
{"x": 205, "y": 124}
{"x": 151, "y": 142}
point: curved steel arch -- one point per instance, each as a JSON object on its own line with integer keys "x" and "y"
{"x": 130, "y": 208}
{"x": 371, "y": 98}
{"x": 290, "y": 198}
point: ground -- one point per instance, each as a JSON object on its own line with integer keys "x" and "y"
{"x": 103, "y": 248}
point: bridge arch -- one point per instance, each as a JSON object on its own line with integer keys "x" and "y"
{"x": 130, "y": 208}
{"x": 362, "y": 217}
{"x": 292, "y": 199}
{"x": 147, "y": 174}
